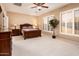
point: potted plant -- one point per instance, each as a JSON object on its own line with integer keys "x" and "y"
{"x": 53, "y": 22}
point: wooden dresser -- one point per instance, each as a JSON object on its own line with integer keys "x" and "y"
{"x": 5, "y": 44}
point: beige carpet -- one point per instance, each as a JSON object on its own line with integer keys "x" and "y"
{"x": 44, "y": 46}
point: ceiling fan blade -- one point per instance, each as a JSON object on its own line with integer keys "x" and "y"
{"x": 34, "y": 7}
{"x": 18, "y": 4}
{"x": 44, "y": 6}
{"x": 39, "y": 4}
{"x": 36, "y": 4}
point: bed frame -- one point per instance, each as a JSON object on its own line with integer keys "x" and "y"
{"x": 30, "y": 34}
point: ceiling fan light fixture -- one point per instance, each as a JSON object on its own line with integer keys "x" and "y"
{"x": 38, "y": 7}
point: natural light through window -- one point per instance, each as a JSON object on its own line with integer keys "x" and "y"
{"x": 69, "y": 23}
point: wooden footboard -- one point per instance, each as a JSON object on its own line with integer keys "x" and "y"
{"x": 31, "y": 34}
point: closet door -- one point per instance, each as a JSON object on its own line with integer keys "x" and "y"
{"x": 76, "y": 22}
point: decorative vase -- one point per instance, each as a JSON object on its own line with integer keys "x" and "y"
{"x": 53, "y": 36}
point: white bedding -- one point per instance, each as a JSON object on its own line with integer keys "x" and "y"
{"x": 28, "y": 29}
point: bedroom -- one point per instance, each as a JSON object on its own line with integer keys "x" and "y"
{"x": 39, "y": 41}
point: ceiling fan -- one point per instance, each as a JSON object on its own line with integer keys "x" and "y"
{"x": 39, "y": 6}
{"x": 18, "y": 4}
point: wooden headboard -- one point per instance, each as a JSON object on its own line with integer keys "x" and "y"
{"x": 25, "y": 25}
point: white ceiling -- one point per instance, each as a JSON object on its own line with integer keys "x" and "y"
{"x": 26, "y": 8}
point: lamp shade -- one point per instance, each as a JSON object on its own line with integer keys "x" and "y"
{"x": 15, "y": 24}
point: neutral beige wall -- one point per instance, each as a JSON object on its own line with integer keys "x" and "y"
{"x": 56, "y": 12}
{"x": 17, "y": 18}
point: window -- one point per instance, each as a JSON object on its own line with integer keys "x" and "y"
{"x": 46, "y": 26}
{"x": 70, "y": 22}
{"x": 76, "y": 22}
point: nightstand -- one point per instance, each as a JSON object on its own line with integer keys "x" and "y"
{"x": 15, "y": 32}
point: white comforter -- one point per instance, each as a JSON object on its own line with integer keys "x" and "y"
{"x": 27, "y": 30}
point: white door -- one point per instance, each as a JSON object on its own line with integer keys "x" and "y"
{"x": 5, "y": 23}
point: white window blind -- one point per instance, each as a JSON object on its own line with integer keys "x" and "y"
{"x": 46, "y": 25}
{"x": 69, "y": 22}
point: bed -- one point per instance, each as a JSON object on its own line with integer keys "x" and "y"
{"x": 28, "y": 31}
